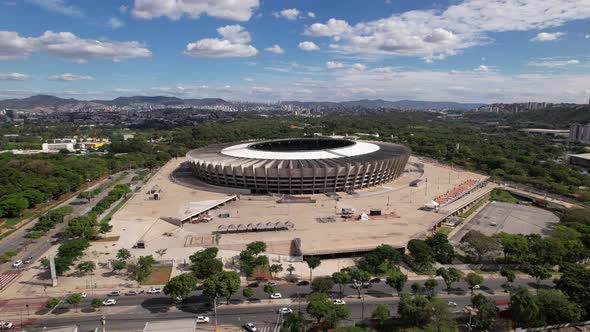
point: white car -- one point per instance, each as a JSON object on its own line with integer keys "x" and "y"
{"x": 452, "y": 304}
{"x": 339, "y": 302}
{"x": 250, "y": 327}
{"x": 272, "y": 283}
{"x": 6, "y": 325}
{"x": 17, "y": 263}
{"x": 476, "y": 287}
{"x": 285, "y": 311}
{"x": 202, "y": 320}
{"x": 83, "y": 295}
{"x": 276, "y": 296}
{"x": 154, "y": 290}
{"x": 109, "y": 302}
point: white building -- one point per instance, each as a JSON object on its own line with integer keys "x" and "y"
{"x": 48, "y": 147}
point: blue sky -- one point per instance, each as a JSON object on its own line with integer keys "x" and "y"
{"x": 467, "y": 51}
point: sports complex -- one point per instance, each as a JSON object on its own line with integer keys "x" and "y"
{"x": 304, "y": 197}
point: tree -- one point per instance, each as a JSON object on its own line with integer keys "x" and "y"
{"x": 430, "y": 285}
{"x": 320, "y": 307}
{"x": 276, "y": 268}
{"x": 74, "y": 299}
{"x": 378, "y": 260}
{"x": 52, "y": 303}
{"x": 256, "y": 247}
{"x": 248, "y": 292}
{"x": 486, "y": 312}
{"x": 180, "y": 286}
{"x": 312, "y": 263}
{"x": 161, "y": 252}
{"x": 523, "y": 308}
{"x": 556, "y": 308}
{"x": 143, "y": 268}
{"x": 123, "y": 254}
{"x": 414, "y": 310}
{"x": 360, "y": 276}
{"x": 516, "y": 245}
{"x": 13, "y": 206}
{"x": 224, "y": 284}
{"x": 341, "y": 278}
{"x": 295, "y": 322}
{"x": 381, "y": 314}
{"x": 538, "y": 272}
{"x": 270, "y": 289}
{"x": 473, "y": 279}
{"x": 86, "y": 267}
{"x": 205, "y": 263}
{"x": 118, "y": 265}
{"x": 290, "y": 269}
{"x": 575, "y": 283}
{"x": 443, "y": 251}
{"x": 416, "y": 288}
{"x": 422, "y": 254}
{"x": 322, "y": 284}
{"x": 397, "y": 279}
{"x": 479, "y": 244}
{"x": 96, "y": 302}
{"x": 509, "y": 275}
{"x": 449, "y": 275}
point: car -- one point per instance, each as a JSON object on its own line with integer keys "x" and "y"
{"x": 114, "y": 293}
{"x": 339, "y": 302}
{"x": 452, "y": 304}
{"x": 178, "y": 299}
{"x": 476, "y": 287}
{"x": 6, "y": 325}
{"x": 83, "y": 295}
{"x": 154, "y": 290}
{"x": 253, "y": 284}
{"x": 356, "y": 284}
{"x": 17, "y": 263}
{"x": 272, "y": 283}
{"x": 302, "y": 283}
{"x": 285, "y": 311}
{"x": 202, "y": 320}
{"x": 134, "y": 292}
{"x": 375, "y": 280}
{"x": 276, "y": 296}
{"x": 250, "y": 327}
{"x": 109, "y": 302}
{"x": 28, "y": 260}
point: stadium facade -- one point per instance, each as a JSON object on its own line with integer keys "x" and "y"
{"x": 299, "y": 165}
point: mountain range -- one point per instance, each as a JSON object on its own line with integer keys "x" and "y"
{"x": 56, "y": 103}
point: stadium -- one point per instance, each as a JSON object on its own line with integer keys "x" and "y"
{"x": 299, "y": 165}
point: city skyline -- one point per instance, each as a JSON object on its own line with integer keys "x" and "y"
{"x": 463, "y": 51}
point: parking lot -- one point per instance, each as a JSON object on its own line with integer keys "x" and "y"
{"x": 512, "y": 218}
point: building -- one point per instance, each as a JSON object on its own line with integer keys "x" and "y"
{"x": 548, "y": 132}
{"x": 580, "y": 132}
{"x": 582, "y": 160}
{"x": 299, "y": 165}
{"x": 49, "y": 147}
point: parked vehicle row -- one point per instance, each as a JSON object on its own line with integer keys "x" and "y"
{"x": 20, "y": 262}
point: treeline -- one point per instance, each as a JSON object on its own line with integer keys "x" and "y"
{"x": 48, "y": 221}
{"x": 26, "y": 181}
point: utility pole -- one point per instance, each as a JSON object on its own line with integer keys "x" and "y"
{"x": 215, "y": 311}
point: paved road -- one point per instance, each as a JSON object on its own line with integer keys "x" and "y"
{"x": 26, "y": 247}
{"x": 131, "y": 312}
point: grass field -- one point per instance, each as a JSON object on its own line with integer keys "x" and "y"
{"x": 159, "y": 276}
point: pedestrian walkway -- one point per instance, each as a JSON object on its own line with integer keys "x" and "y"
{"x": 268, "y": 328}
{"x": 8, "y": 277}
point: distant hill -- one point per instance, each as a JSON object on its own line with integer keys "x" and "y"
{"x": 160, "y": 100}
{"x": 401, "y": 104}
{"x": 36, "y": 101}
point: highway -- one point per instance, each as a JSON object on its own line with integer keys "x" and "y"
{"x": 132, "y": 312}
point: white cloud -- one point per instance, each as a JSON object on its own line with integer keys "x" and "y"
{"x": 359, "y": 67}
{"x": 434, "y": 34}
{"x": 123, "y": 9}
{"x": 482, "y": 69}
{"x": 13, "y": 77}
{"x": 311, "y": 14}
{"x": 174, "y": 9}
{"x": 334, "y": 65}
{"x": 547, "y": 36}
{"x": 68, "y": 46}
{"x": 276, "y": 49}
{"x": 553, "y": 62}
{"x": 291, "y": 14}
{"x": 67, "y": 77}
{"x": 58, "y": 6}
{"x": 587, "y": 36}
{"x": 308, "y": 46}
{"x": 115, "y": 23}
{"x": 234, "y": 44}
